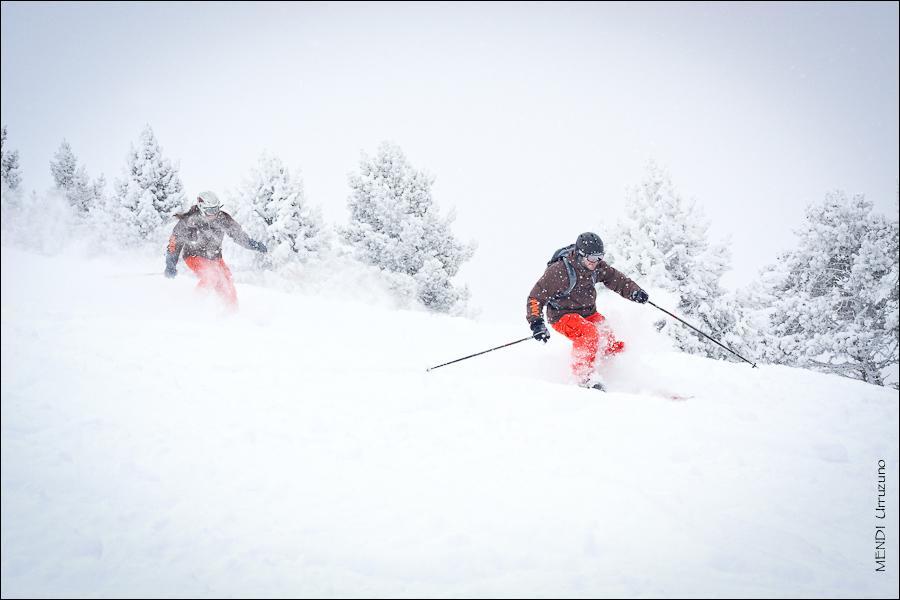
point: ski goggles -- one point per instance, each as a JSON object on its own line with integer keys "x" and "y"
{"x": 593, "y": 257}
{"x": 210, "y": 210}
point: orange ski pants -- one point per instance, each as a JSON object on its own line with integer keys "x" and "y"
{"x": 214, "y": 275}
{"x": 589, "y": 336}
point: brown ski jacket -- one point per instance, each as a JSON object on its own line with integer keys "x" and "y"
{"x": 550, "y": 290}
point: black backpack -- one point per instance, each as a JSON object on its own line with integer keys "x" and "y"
{"x": 563, "y": 255}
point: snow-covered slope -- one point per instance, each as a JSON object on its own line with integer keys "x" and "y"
{"x": 152, "y": 446}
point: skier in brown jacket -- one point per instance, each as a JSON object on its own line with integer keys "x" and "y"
{"x": 199, "y": 232}
{"x": 567, "y": 290}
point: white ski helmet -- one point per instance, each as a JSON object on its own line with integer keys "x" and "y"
{"x": 208, "y": 202}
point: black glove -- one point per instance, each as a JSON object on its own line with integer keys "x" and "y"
{"x": 258, "y": 246}
{"x": 640, "y": 296}
{"x": 539, "y": 331}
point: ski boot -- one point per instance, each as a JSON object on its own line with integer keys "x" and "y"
{"x": 594, "y": 382}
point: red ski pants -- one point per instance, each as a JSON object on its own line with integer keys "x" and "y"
{"x": 589, "y": 336}
{"x": 214, "y": 275}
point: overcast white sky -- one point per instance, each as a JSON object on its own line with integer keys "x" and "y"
{"x": 535, "y": 118}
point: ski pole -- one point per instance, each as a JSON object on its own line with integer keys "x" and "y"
{"x": 703, "y": 334}
{"x": 477, "y": 354}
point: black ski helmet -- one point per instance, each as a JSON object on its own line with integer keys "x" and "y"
{"x": 589, "y": 243}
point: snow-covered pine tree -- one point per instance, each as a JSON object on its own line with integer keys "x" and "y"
{"x": 10, "y": 175}
{"x": 150, "y": 192}
{"x": 395, "y": 225}
{"x": 98, "y": 192}
{"x": 272, "y": 207}
{"x": 63, "y": 167}
{"x": 11, "y": 194}
{"x": 833, "y": 300}
{"x": 662, "y": 243}
{"x": 81, "y": 196}
{"x": 73, "y": 182}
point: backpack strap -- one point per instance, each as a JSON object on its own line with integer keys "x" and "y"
{"x": 573, "y": 279}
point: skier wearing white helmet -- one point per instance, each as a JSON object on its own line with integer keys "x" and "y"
{"x": 199, "y": 233}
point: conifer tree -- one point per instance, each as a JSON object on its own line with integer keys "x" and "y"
{"x": 73, "y": 182}
{"x": 10, "y": 175}
{"x": 272, "y": 207}
{"x": 395, "y": 225}
{"x": 833, "y": 300}
{"x": 662, "y": 242}
{"x": 150, "y": 192}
